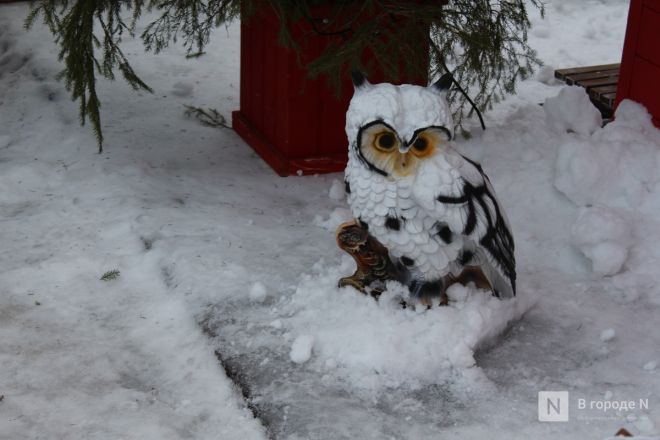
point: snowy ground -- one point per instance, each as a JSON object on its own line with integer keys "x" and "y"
{"x": 219, "y": 255}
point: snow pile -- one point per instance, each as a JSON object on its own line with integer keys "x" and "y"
{"x": 378, "y": 343}
{"x": 610, "y": 173}
{"x": 614, "y": 166}
{"x": 572, "y": 111}
{"x": 604, "y": 236}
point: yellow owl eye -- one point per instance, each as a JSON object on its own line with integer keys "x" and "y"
{"x": 385, "y": 141}
{"x": 424, "y": 144}
{"x": 420, "y": 144}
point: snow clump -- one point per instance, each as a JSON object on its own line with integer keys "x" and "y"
{"x": 607, "y": 334}
{"x": 572, "y": 111}
{"x": 337, "y": 190}
{"x": 258, "y": 292}
{"x": 301, "y": 349}
{"x": 604, "y": 236}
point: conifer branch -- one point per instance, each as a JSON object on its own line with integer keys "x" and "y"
{"x": 483, "y": 42}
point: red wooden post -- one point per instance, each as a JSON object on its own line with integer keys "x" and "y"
{"x": 295, "y": 124}
{"x": 639, "y": 78}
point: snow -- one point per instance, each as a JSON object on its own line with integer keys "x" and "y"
{"x": 607, "y": 334}
{"x": 194, "y": 221}
{"x": 650, "y": 365}
{"x": 301, "y": 349}
{"x": 572, "y": 111}
{"x": 364, "y": 337}
{"x": 258, "y": 292}
{"x": 336, "y": 191}
{"x": 604, "y": 236}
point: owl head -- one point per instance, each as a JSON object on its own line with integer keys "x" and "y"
{"x": 393, "y": 129}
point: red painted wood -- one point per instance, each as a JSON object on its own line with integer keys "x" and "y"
{"x": 640, "y": 63}
{"x": 642, "y": 88}
{"x": 292, "y": 122}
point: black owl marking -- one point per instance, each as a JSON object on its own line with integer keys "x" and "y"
{"x": 393, "y": 223}
{"x": 480, "y": 207}
{"x": 465, "y": 257}
{"x": 471, "y": 221}
{"x": 498, "y": 240}
{"x": 364, "y": 224}
{"x": 452, "y": 200}
{"x": 477, "y": 165}
{"x": 445, "y": 234}
{"x": 347, "y": 187}
{"x": 407, "y": 261}
{"x": 358, "y": 146}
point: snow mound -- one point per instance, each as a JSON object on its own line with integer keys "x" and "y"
{"x": 378, "y": 343}
{"x": 604, "y": 236}
{"x": 615, "y": 166}
{"x": 572, "y": 111}
{"x": 611, "y": 176}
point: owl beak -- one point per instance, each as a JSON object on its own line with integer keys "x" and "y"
{"x": 403, "y": 149}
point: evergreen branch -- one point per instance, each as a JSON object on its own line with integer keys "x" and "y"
{"x": 483, "y": 42}
{"x": 209, "y": 118}
{"x": 110, "y": 275}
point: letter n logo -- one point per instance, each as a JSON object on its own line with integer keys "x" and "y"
{"x": 553, "y": 406}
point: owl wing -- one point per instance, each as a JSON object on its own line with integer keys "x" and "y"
{"x": 456, "y": 192}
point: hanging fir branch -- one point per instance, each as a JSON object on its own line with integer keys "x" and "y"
{"x": 483, "y": 42}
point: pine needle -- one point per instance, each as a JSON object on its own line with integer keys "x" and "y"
{"x": 110, "y": 275}
{"x": 209, "y": 118}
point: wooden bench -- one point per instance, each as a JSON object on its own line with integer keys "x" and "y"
{"x": 600, "y": 81}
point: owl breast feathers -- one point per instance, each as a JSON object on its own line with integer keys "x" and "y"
{"x": 434, "y": 209}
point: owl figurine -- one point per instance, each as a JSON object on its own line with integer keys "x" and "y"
{"x": 425, "y": 215}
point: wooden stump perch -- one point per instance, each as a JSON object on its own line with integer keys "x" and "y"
{"x": 374, "y": 266}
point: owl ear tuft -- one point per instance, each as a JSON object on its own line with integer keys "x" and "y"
{"x": 359, "y": 80}
{"x": 443, "y": 84}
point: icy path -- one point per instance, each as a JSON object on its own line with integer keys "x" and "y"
{"x": 193, "y": 220}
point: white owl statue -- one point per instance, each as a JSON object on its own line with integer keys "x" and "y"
{"x": 425, "y": 215}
